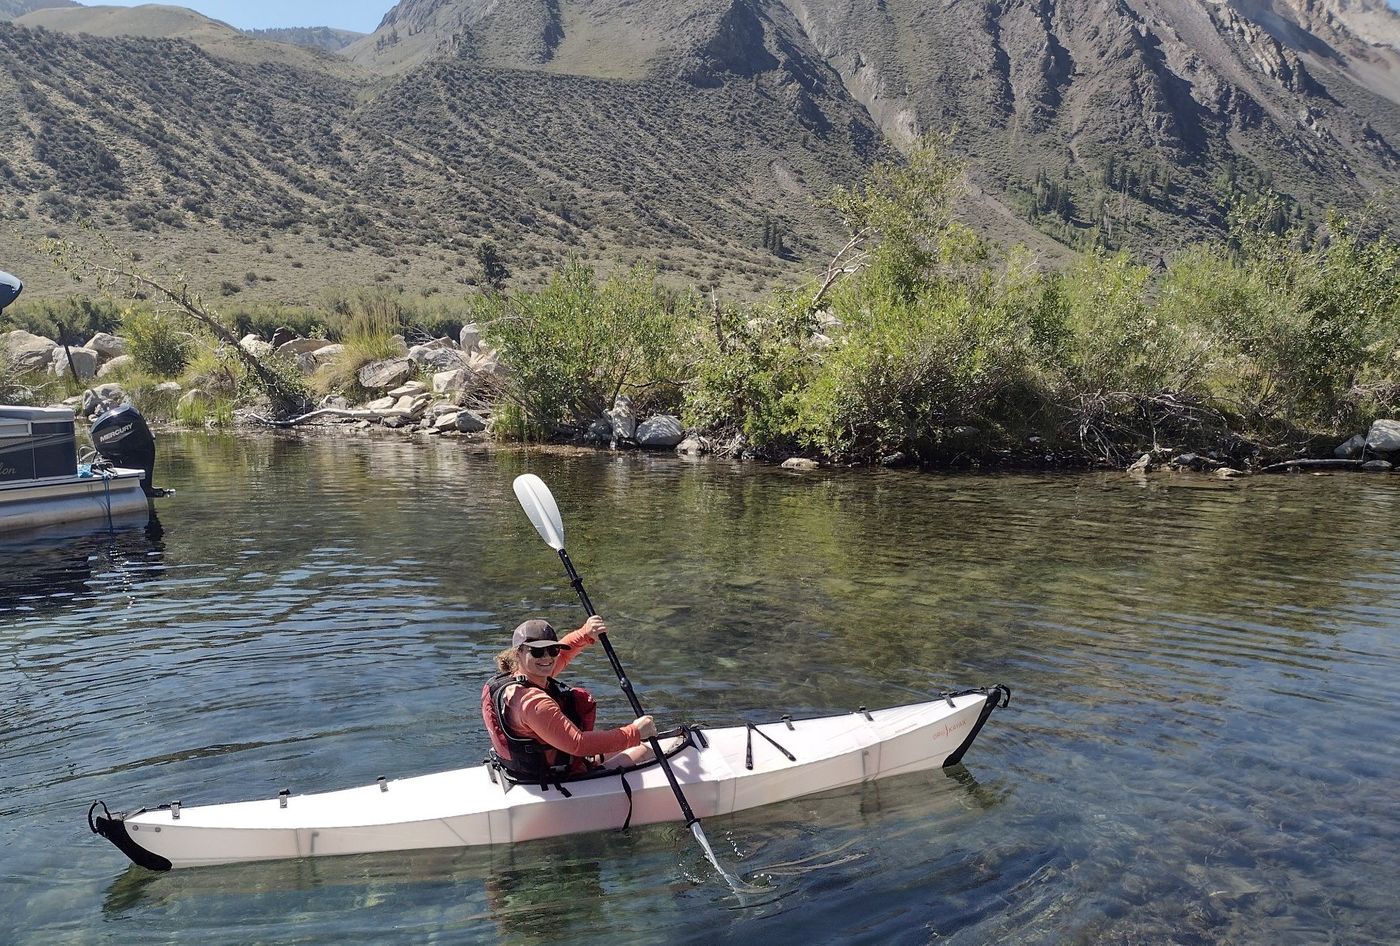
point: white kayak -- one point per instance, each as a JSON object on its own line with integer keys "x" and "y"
{"x": 720, "y": 770}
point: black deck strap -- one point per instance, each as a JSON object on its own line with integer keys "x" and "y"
{"x": 748, "y": 760}
{"x": 700, "y": 737}
{"x": 559, "y": 785}
{"x": 627, "y": 790}
{"x": 866, "y": 713}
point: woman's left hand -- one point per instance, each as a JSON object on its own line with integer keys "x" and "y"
{"x": 593, "y": 627}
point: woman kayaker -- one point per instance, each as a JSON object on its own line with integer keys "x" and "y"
{"x": 542, "y": 729}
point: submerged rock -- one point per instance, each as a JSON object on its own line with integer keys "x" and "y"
{"x": 799, "y": 463}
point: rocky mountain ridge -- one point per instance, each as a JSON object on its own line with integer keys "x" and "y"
{"x": 687, "y": 131}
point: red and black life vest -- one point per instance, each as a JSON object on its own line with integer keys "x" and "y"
{"x": 524, "y": 758}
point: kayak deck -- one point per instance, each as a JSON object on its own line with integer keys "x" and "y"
{"x": 721, "y": 771}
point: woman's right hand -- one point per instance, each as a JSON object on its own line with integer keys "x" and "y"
{"x": 645, "y": 726}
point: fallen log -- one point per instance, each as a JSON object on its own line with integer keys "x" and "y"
{"x": 1290, "y": 465}
{"x": 350, "y": 413}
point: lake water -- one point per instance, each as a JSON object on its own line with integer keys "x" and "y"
{"x": 1203, "y": 747}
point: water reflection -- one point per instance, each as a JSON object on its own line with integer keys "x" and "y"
{"x": 1202, "y": 747}
{"x": 45, "y": 570}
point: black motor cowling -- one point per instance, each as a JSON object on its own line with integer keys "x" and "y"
{"x": 121, "y": 435}
{"x": 10, "y": 288}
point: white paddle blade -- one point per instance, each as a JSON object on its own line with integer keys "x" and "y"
{"x": 538, "y": 503}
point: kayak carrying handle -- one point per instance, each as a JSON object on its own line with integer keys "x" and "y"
{"x": 92, "y": 825}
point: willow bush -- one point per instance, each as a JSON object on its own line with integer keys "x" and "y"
{"x": 158, "y": 342}
{"x": 572, "y": 347}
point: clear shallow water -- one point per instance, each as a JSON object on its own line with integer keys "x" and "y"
{"x": 1202, "y": 746}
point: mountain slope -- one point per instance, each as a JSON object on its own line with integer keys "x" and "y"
{"x": 687, "y": 132}
{"x": 9, "y": 9}
{"x": 159, "y": 21}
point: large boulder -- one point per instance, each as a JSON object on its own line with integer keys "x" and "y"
{"x": 386, "y": 374}
{"x": 461, "y": 421}
{"x": 437, "y": 358}
{"x": 663, "y": 430}
{"x": 1350, "y": 449}
{"x": 300, "y": 346}
{"x": 27, "y": 352}
{"x": 622, "y": 418}
{"x": 255, "y": 346}
{"x": 469, "y": 338}
{"x": 107, "y": 346}
{"x": 1384, "y": 437}
{"x": 119, "y": 363}
{"x": 84, "y": 362}
{"x": 451, "y": 382}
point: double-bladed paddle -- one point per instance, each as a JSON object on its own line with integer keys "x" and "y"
{"x": 538, "y": 503}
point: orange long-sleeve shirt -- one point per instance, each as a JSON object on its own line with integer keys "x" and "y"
{"x": 531, "y": 713}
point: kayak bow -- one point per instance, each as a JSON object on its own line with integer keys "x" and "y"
{"x": 722, "y": 771}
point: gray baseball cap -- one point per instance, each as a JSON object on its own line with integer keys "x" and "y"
{"x": 536, "y": 633}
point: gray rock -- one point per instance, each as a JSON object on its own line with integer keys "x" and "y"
{"x": 663, "y": 430}
{"x": 385, "y": 374}
{"x": 1229, "y": 473}
{"x": 451, "y": 382}
{"x": 167, "y": 389}
{"x": 484, "y": 361}
{"x": 469, "y": 338}
{"x": 600, "y": 431}
{"x": 691, "y": 447}
{"x": 27, "y": 352}
{"x": 381, "y": 404}
{"x": 255, "y": 346}
{"x": 327, "y": 353}
{"x": 84, "y": 362}
{"x": 107, "y": 346}
{"x": 301, "y": 346}
{"x": 1384, "y": 437}
{"x": 799, "y": 463}
{"x": 622, "y": 418}
{"x": 1142, "y": 464}
{"x": 470, "y": 423}
{"x": 412, "y": 405}
{"x": 397, "y": 419}
{"x": 445, "y": 421}
{"x": 436, "y": 358}
{"x": 111, "y": 393}
{"x": 409, "y": 389}
{"x": 1378, "y": 466}
{"x": 119, "y": 363}
{"x": 1351, "y": 449}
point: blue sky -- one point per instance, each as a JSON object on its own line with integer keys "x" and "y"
{"x": 359, "y": 15}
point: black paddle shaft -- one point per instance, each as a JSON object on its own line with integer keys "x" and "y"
{"x": 626, "y": 685}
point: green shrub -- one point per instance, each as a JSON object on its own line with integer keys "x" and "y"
{"x": 573, "y": 346}
{"x": 157, "y": 342}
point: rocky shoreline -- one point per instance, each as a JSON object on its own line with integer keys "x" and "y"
{"x": 449, "y": 388}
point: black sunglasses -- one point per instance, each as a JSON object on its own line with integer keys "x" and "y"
{"x": 551, "y": 651}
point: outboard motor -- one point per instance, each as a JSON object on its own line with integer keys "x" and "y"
{"x": 10, "y": 288}
{"x": 121, "y": 436}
